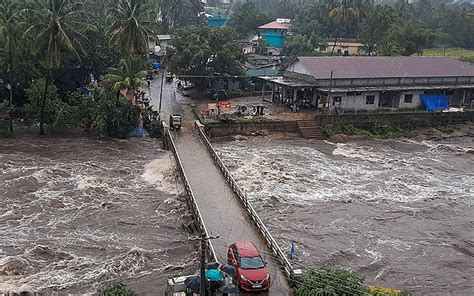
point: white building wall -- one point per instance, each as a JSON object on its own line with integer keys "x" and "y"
{"x": 151, "y": 44}
{"x": 358, "y": 102}
{"x": 415, "y": 103}
{"x": 297, "y": 67}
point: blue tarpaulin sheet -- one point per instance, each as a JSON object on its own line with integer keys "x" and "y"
{"x": 434, "y": 102}
{"x": 156, "y": 65}
{"x": 138, "y": 132}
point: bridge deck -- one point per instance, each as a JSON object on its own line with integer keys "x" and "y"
{"x": 220, "y": 208}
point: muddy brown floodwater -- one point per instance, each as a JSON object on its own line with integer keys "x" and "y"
{"x": 79, "y": 211}
{"x": 400, "y": 212}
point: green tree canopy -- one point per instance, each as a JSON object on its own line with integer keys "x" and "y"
{"x": 56, "y": 29}
{"x": 300, "y": 45}
{"x": 374, "y": 28}
{"x": 202, "y": 51}
{"x": 174, "y": 13}
{"x": 133, "y": 23}
{"x": 247, "y": 18}
{"x": 129, "y": 75}
{"x": 411, "y": 38}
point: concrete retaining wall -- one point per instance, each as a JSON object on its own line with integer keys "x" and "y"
{"x": 222, "y": 129}
{"x": 229, "y": 128}
{"x": 401, "y": 119}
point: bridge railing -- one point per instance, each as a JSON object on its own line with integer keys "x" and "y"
{"x": 284, "y": 262}
{"x": 189, "y": 193}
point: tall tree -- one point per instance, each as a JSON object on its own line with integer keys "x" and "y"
{"x": 247, "y": 18}
{"x": 373, "y": 29}
{"x": 134, "y": 21}
{"x": 128, "y": 76}
{"x": 9, "y": 19}
{"x": 412, "y": 38}
{"x": 56, "y": 30}
{"x": 346, "y": 13}
{"x": 202, "y": 51}
{"x": 174, "y": 13}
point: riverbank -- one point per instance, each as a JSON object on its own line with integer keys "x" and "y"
{"x": 343, "y": 133}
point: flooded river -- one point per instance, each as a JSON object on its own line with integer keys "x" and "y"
{"x": 77, "y": 211}
{"x": 400, "y": 212}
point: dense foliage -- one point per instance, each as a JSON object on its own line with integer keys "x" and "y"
{"x": 382, "y": 130}
{"x": 384, "y": 27}
{"x": 60, "y": 45}
{"x": 202, "y": 51}
{"x": 117, "y": 289}
{"x": 247, "y": 18}
{"x": 340, "y": 282}
{"x": 331, "y": 282}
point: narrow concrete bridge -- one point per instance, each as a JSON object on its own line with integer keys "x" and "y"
{"x": 219, "y": 206}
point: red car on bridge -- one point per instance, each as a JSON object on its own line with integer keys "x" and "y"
{"x": 252, "y": 272}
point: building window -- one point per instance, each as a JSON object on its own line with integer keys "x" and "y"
{"x": 322, "y": 48}
{"x": 408, "y": 98}
{"x": 369, "y": 100}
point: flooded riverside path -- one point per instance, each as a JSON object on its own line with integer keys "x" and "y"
{"x": 78, "y": 211}
{"x": 399, "y": 212}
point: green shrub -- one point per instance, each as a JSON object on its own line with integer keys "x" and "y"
{"x": 327, "y": 281}
{"x": 4, "y": 127}
{"x": 154, "y": 129}
{"x": 105, "y": 112}
{"x": 383, "y": 130}
{"x": 116, "y": 289}
{"x": 56, "y": 112}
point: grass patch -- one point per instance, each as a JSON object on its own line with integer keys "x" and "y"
{"x": 463, "y": 54}
{"x": 450, "y": 52}
{"x": 379, "y": 130}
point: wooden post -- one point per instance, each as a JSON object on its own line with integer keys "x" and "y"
{"x": 273, "y": 92}
{"x": 263, "y": 90}
{"x": 463, "y": 98}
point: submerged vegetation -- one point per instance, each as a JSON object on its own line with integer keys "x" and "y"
{"x": 382, "y": 130}
{"x": 117, "y": 289}
{"x": 330, "y": 281}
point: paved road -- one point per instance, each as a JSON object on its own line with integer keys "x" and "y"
{"x": 220, "y": 208}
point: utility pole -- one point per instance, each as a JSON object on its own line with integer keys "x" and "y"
{"x": 204, "y": 239}
{"x": 161, "y": 92}
{"x": 329, "y": 96}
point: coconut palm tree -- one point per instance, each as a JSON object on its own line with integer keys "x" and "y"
{"x": 128, "y": 76}
{"x": 344, "y": 14}
{"x": 134, "y": 22}
{"x": 56, "y": 31}
{"x": 9, "y": 20}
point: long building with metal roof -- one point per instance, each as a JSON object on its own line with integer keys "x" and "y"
{"x": 369, "y": 83}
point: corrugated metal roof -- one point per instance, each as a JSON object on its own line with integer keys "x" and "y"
{"x": 385, "y": 67}
{"x": 275, "y": 25}
{"x": 395, "y": 88}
